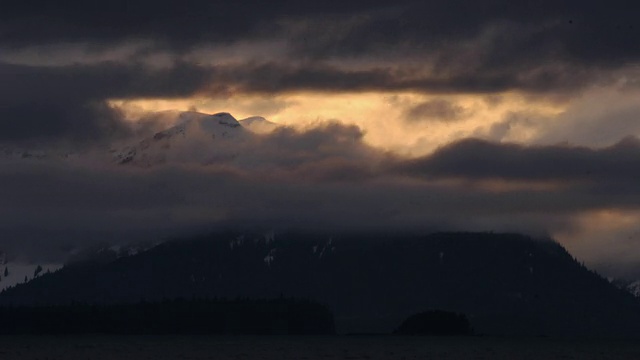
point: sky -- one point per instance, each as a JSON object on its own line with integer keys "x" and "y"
{"x": 396, "y": 116}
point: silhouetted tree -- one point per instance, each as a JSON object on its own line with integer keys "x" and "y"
{"x": 37, "y": 271}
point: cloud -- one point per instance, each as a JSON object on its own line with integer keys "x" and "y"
{"x": 69, "y": 102}
{"x": 326, "y": 152}
{"x": 54, "y": 204}
{"x": 176, "y": 25}
{"x": 282, "y": 77}
{"x": 46, "y": 120}
{"x": 430, "y": 47}
{"x": 323, "y": 177}
{"x": 436, "y": 110}
{"x": 479, "y": 159}
{"x": 357, "y": 47}
{"x": 598, "y": 117}
{"x": 581, "y": 32}
{"x": 37, "y": 22}
{"x": 100, "y": 81}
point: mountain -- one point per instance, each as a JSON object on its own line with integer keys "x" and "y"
{"x": 19, "y": 153}
{"x": 196, "y": 138}
{"x": 258, "y": 125}
{"x": 504, "y": 283}
{"x": 631, "y": 286}
{"x": 13, "y": 272}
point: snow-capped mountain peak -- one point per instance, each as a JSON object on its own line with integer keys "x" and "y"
{"x": 254, "y": 120}
{"x": 259, "y": 125}
{"x": 196, "y": 137}
{"x": 207, "y": 121}
{"x": 191, "y": 138}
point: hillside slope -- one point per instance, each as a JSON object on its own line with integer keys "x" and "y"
{"x": 505, "y": 283}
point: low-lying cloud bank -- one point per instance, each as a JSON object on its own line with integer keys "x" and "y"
{"x": 324, "y": 177}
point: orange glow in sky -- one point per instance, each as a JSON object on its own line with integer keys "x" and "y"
{"x": 382, "y": 116}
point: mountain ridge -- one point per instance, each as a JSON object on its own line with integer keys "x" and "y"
{"x": 193, "y": 126}
{"x": 507, "y": 284}
{"x": 203, "y": 137}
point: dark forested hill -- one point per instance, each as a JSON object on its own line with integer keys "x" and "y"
{"x": 504, "y": 283}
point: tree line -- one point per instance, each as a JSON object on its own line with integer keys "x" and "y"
{"x": 180, "y": 316}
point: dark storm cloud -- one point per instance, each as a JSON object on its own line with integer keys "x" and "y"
{"x": 468, "y": 46}
{"x": 479, "y": 159}
{"x": 69, "y": 102}
{"x": 483, "y": 46}
{"x": 100, "y": 81}
{"x": 56, "y": 206}
{"x": 436, "y": 110}
{"x": 586, "y": 31}
{"x": 322, "y": 178}
{"x": 326, "y": 153}
{"x": 53, "y": 204}
{"x": 179, "y": 25}
{"x": 274, "y": 77}
{"x": 38, "y": 22}
{"x": 435, "y": 47}
{"x": 43, "y": 119}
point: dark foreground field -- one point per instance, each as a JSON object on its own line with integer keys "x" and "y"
{"x": 309, "y": 347}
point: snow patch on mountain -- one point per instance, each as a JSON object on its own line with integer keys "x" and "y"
{"x": 196, "y": 138}
{"x": 634, "y": 288}
{"x": 270, "y": 257}
{"x": 259, "y": 125}
{"x": 326, "y": 247}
